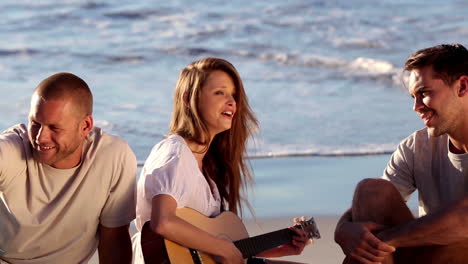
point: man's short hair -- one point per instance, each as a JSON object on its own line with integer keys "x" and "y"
{"x": 66, "y": 85}
{"x": 449, "y": 61}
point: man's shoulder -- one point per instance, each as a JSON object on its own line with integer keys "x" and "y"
{"x": 14, "y": 153}
{"x": 105, "y": 139}
{"x": 14, "y": 137}
{"x": 103, "y": 144}
{"x": 420, "y": 133}
{"x": 20, "y": 130}
{"x": 422, "y": 136}
{"x": 421, "y": 141}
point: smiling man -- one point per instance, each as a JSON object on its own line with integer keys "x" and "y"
{"x": 379, "y": 228}
{"x": 66, "y": 187}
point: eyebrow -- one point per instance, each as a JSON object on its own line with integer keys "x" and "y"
{"x": 418, "y": 89}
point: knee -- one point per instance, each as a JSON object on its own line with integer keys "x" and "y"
{"x": 375, "y": 189}
{"x": 375, "y": 185}
{"x": 378, "y": 200}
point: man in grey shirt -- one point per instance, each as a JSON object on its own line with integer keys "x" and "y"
{"x": 379, "y": 227}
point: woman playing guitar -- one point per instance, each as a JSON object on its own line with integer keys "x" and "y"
{"x": 201, "y": 164}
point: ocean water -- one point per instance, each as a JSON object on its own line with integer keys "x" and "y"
{"x": 323, "y": 77}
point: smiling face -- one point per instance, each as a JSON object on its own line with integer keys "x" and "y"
{"x": 217, "y": 104}
{"x": 435, "y": 102}
{"x": 57, "y": 132}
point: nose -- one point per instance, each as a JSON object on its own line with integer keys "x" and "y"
{"x": 418, "y": 104}
{"x": 43, "y": 135}
{"x": 231, "y": 101}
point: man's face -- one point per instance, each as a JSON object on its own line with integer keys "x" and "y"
{"x": 55, "y": 132}
{"x": 435, "y": 102}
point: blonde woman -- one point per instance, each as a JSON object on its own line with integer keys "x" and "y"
{"x": 201, "y": 165}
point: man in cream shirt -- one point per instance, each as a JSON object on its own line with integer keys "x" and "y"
{"x": 66, "y": 187}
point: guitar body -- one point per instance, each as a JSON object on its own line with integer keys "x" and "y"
{"x": 227, "y": 225}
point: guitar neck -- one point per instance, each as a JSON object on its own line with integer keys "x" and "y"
{"x": 252, "y": 246}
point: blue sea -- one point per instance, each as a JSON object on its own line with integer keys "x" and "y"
{"x": 323, "y": 77}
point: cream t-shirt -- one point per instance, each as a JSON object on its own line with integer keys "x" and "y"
{"x": 49, "y": 215}
{"x": 425, "y": 163}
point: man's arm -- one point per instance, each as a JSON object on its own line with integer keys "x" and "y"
{"x": 443, "y": 227}
{"x": 115, "y": 245}
{"x": 345, "y": 218}
{"x": 358, "y": 241}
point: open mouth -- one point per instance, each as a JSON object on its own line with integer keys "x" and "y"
{"x": 427, "y": 117}
{"x": 44, "y": 148}
{"x": 229, "y": 114}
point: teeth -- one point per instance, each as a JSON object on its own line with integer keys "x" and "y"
{"x": 427, "y": 116}
{"x": 227, "y": 113}
{"x": 46, "y": 148}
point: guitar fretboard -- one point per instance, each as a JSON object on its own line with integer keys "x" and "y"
{"x": 254, "y": 245}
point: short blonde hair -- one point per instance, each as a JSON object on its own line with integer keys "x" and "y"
{"x": 65, "y": 85}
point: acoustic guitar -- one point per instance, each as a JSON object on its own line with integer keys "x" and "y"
{"x": 226, "y": 225}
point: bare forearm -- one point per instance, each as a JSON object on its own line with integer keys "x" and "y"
{"x": 345, "y": 218}
{"x": 272, "y": 253}
{"x": 186, "y": 234}
{"x": 118, "y": 253}
{"x": 269, "y": 261}
{"x": 115, "y": 248}
{"x": 167, "y": 224}
{"x": 444, "y": 227}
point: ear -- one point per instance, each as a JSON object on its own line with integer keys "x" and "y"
{"x": 86, "y": 125}
{"x": 463, "y": 85}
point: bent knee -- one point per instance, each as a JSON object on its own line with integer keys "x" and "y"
{"x": 375, "y": 191}
{"x": 371, "y": 185}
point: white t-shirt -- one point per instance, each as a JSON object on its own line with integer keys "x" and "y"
{"x": 425, "y": 163}
{"x": 171, "y": 168}
{"x": 49, "y": 215}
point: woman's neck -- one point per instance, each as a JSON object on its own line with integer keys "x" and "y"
{"x": 198, "y": 151}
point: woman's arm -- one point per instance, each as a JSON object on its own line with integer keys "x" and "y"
{"x": 294, "y": 247}
{"x": 167, "y": 224}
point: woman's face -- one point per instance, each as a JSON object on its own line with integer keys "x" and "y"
{"x": 217, "y": 105}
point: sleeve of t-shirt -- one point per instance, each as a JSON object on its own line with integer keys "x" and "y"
{"x": 10, "y": 154}
{"x": 164, "y": 173}
{"x": 400, "y": 168}
{"x": 3, "y": 161}
{"x": 119, "y": 208}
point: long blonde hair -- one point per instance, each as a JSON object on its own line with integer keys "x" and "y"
{"x": 224, "y": 161}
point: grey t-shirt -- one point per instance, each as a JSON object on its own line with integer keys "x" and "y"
{"x": 49, "y": 215}
{"x": 425, "y": 163}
